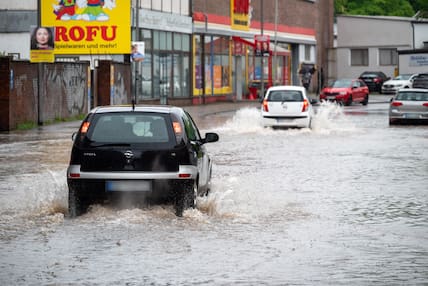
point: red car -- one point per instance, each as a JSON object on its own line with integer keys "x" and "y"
{"x": 346, "y": 91}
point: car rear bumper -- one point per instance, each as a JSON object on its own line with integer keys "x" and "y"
{"x": 185, "y": 171}
{"x": 408, "y": 117}
{"x": 295, "y": 121}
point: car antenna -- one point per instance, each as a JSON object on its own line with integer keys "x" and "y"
{"x": 133, "y": 105}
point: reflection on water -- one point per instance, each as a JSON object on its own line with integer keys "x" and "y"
{"x": 343, "y": 203}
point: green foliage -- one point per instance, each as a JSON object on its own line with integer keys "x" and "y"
{"x": 402, "y": 8}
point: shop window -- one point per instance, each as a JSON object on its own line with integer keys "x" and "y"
{"x": 359, "y": 57}
{"x": 388, "y": 57}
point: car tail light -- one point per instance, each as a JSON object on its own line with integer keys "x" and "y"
{"x": 85, "y": 127}
{"x": 177, "y": 127}
{"x": 74, "y": 175}
{"x": 305, "y": 105}
{"x": 425, "y": 104}
{"x": 396, "y": 103}
{"x": 185, "y": 175}
{"x": 376, "y": 79}
{"x": 265, "y": 106}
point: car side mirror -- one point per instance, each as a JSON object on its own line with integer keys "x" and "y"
{"x": 73, "y": 136}
{"x": 210, "y": 137}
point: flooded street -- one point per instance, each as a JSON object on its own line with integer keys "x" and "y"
{"x": 345, "y": 203}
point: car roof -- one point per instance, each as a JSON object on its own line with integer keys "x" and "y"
{"x": 138, "y": 108}
{"x": 288, "y": 87}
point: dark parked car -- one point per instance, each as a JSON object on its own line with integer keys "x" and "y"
{"x": 141, "y": 153}
{"x": 420, "y": 81}
{"x": 409, "y": 106}
{"x": 346, "y": 91}
{"x": 374, "y": 80}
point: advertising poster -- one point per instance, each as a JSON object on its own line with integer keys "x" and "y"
{"x": 42, "y": 44}
{"x": 137, "y": 51}
{"x": 89, "y": 26}
{"x": 240, "y": 14}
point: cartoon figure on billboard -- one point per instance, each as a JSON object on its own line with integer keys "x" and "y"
{"x": 93, "y": 10}
{"x": 65, "y": 10}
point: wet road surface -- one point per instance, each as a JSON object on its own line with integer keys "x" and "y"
{"x": 345, "y": 203}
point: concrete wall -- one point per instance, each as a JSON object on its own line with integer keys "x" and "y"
{"x": 370, "y": 33}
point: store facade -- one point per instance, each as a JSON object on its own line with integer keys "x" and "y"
{"x": 237, "y": 61}
{"x": 163, "y": 75}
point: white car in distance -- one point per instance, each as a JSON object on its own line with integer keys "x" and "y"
{"x": 400, "y": 81}
{"x": 287, "y": 106}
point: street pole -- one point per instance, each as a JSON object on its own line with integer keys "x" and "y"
{"x": 39, "y": 73}
{"x": 262, "y": 86}
{"x": 137, "y": 38}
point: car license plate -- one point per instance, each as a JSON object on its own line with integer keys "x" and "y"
{"x": 332, "y": 97}
{"x": 411, "y": 115}
{"x": 283, "y": 120}
{"x": 129, "y": 186}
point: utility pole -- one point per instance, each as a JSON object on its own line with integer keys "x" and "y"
{"x": 262, "y": 82}
{"x": 39, "y": 73}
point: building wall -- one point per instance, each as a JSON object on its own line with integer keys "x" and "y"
{"x": 384, "y": 32}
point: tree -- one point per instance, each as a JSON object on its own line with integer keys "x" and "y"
{"x": 401, "y": 8}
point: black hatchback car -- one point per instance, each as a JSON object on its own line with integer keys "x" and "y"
{"x": 374, "y": 80}
{"x": 150, "y": 153}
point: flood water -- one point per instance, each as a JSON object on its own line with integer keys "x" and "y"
{"x": 345, "y": 203}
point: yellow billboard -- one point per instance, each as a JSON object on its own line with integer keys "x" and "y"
{"x": 89, "y": 26}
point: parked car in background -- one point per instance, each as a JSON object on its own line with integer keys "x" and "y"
{"x": 287, "y": 106}
{"x": 409, "y": 106}
{"x": 140, "y": 154}
{"x": 400, "y": 81}
{"x": 374, "y": 80}
{"x": 420, "y": 81}
{"x": 346, "y": 91}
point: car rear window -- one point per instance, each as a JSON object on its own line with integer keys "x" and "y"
{"x": 412, "y": 96}
{"x": 129, "y": 128}
{"x": 285, "y": 95}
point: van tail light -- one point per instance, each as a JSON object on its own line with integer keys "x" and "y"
{"x": 396, "y": 103}
{"x": 265, "y": 105}
{"x": 305, "y": 105}
{"x": 425, "y": 104}
{"x": 376, "y": 79}
{"x": 85, "y": 127}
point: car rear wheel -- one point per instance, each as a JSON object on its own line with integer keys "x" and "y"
{"x": 185, "y": 197}
{"x": 77, "y": 205}
{"x": 349, "y": 101}
{"x": 366, "y": 100}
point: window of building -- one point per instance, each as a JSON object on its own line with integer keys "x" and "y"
{"x": 308, "y": 53}
{"x": 359, "y": 57}
{"x": 388, "y": 57}
{"x": 180, "y": 7}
